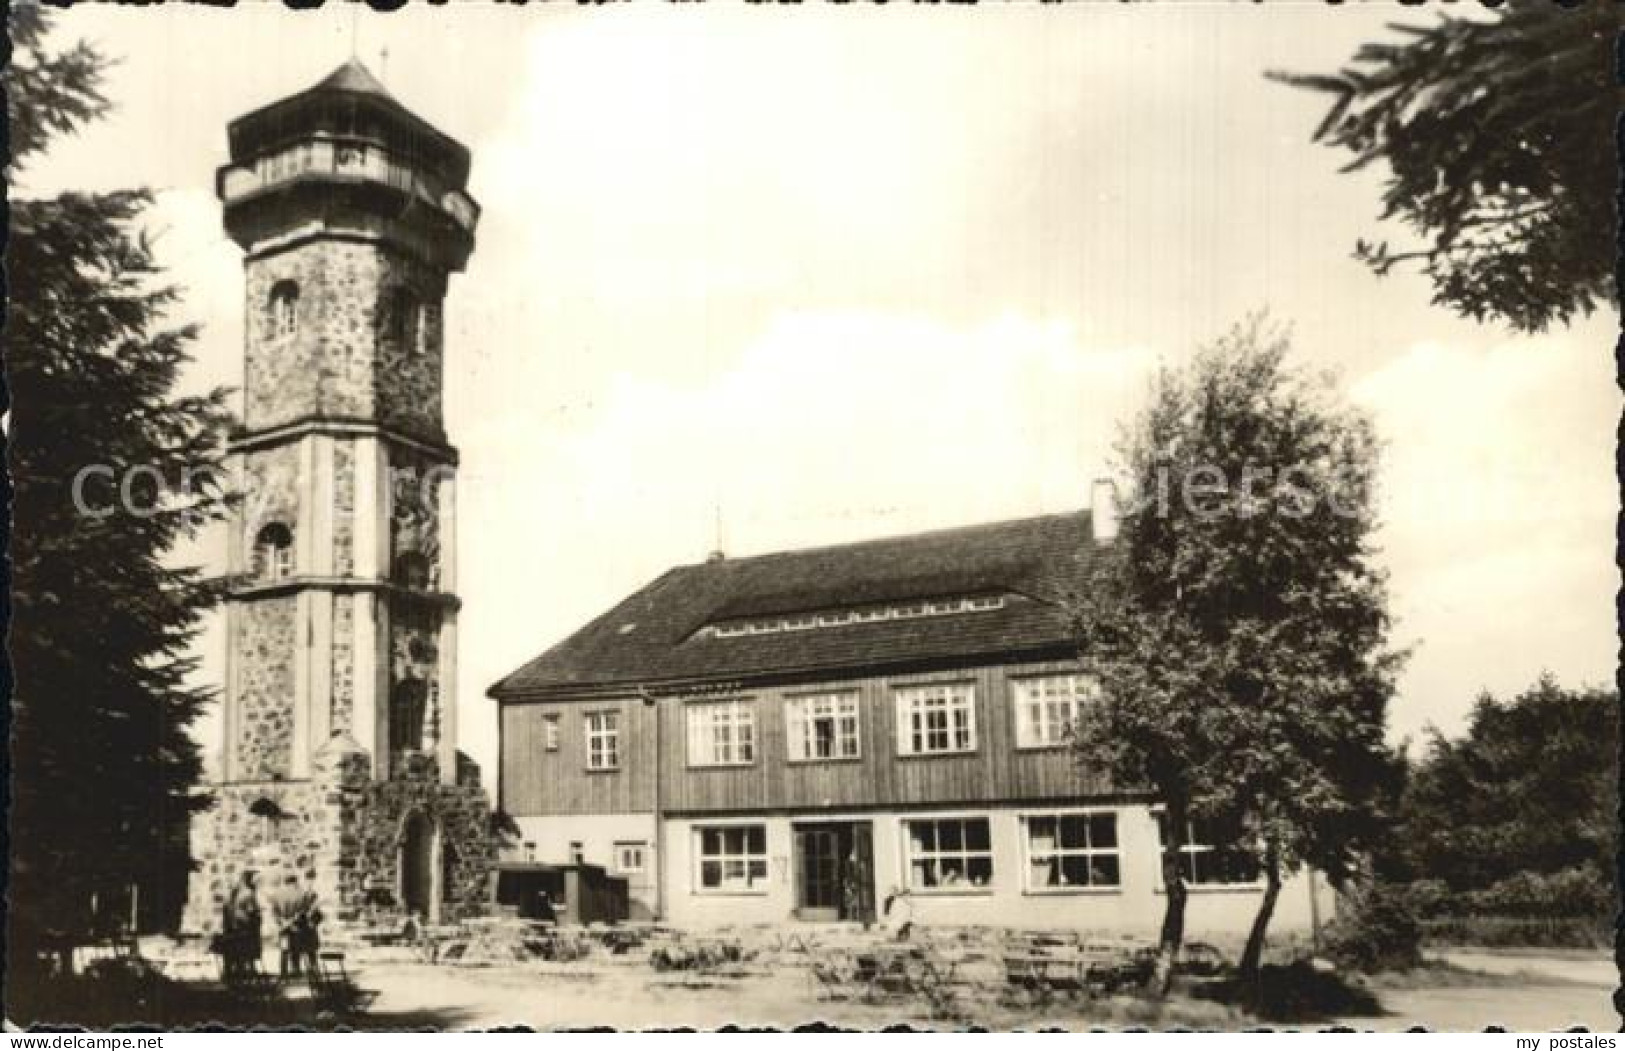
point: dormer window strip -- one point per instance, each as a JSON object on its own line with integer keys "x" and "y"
{"x": 834, "y": 618}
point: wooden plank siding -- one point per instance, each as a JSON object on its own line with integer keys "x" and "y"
{"x": 538, "y": 782}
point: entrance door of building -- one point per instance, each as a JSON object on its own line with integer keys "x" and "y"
{"x": 834, "y": 871}
{"x": 417, "y": 868}
{"x": 819, "y": 892}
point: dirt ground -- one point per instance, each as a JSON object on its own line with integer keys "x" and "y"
{"x": 1532, "y": 991}
{"x": 1526, "y": 992}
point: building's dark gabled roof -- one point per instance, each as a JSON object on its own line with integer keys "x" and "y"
{"x": 654, "y": 637}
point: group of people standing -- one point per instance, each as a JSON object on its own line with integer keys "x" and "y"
{"x": 295, "y": 911}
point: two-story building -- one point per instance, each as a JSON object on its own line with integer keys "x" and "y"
{"x": 800, "y": 735}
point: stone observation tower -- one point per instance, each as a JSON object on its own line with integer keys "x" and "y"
{"x": 340, "y": 761}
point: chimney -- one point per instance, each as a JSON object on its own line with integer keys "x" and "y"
{"x": 1103, "y": 517}
{"x": 716, "y": 556}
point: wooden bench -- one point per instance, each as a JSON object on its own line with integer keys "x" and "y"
{"x": 1036, "y": 972}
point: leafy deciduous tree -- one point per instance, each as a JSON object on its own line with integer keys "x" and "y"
{"x": 1237, "y": 626}
{"x": 1530, "y": 789}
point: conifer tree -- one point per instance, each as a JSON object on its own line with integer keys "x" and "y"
{"x": 1497, "y": 133}
{"x": 110, "y": 468}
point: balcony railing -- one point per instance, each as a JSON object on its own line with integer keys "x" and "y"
{"x": 345, "y": 160}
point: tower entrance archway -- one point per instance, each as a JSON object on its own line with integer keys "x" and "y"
{"x": 420, "y": 875}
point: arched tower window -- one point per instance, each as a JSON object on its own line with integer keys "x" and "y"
{"x": 402, "y": 321}
{"x": 284, "y": 309}
{"x": 273, "y": 552}
{"x": 269, "y": 813}
{"x": 406, "y": 710}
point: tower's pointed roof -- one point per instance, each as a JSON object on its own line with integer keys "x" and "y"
{"x": 354, "y": 77}
{"x": 334, "y": 103}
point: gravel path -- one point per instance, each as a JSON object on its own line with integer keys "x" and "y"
{"x": 1558, "y": 991}
{"x": 1555, "y": 992}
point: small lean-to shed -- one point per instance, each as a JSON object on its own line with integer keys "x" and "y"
{"x": 570, "y": 895}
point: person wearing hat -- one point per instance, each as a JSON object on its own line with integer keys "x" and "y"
{"x": 298, "y": 918}
{"x": 286, "y": 902}
{"x": 241, "y": 925}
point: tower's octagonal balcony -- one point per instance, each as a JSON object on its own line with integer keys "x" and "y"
{"x": 366, "y": 176}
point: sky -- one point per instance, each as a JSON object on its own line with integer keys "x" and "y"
{"x": 768, "y": 278}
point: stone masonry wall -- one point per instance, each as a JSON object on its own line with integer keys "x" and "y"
{"x": 272, "y": 488}
{"x": 339, "y": 362}
{"x": 341, "y": 717}
{"x": 460, "y": 813}
{"x": 414, "y": 510}
{"x": 340, "y": 833}
{"x": 264, "y": 649}
{"x": 407, "y": 373}
{"x": 343, "y": 509}
{"x": 230, "y": 836}
{"x": 414, "y": 655}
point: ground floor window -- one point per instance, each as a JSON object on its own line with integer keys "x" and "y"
{"x": 1210, "y": 856}
{"x": 949, "y": 853}
{"x": 629, "y": 857}
{"x": 732, "y": 857}
{"x": 1068, "y": 851}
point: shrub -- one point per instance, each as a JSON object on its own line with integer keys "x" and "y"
{"x": 1571, "y": 892}
{"x": 1376, "y": 931}
{"x": 1431, "y": 897}
{"x": 1521, "y": 931}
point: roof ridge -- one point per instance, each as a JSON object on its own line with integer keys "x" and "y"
{"x": 649, "y": 635}
{"x": 354, "y": 76}
{"x": 924, "y": 534}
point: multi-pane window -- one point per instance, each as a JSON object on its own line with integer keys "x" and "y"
{"x": 1047, "y": 708}
{"x": 936, "y": 718}
{"x": 1210, "y": 857}
{"x": 732, "y": 857}
{"x": 721, "y": 733}
{"x": 822, "y": 726}
{"x": 949, "y": 853}
{"x": 603, "y": 740}
{"x": 1072, "y": 850}
{"x": 284, "y": 309}
{"x": 550, "y": 733}
{"x": 629, "y": 856}
{"x": 273, "y": 552}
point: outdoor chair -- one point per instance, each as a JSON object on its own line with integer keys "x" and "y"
{"x": 253, "y": 984}
{"x": 908, "y": 971}
{"x": 332, "y": 989}
{"x": 836, "y": 975}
